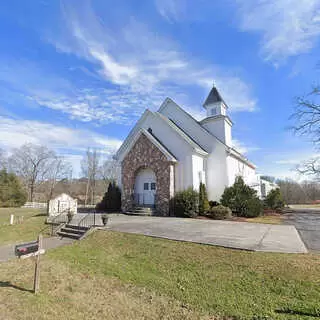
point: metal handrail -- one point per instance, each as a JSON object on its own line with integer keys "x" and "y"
{"x": 84, "y": 223}
{"x": 57, "y": 220}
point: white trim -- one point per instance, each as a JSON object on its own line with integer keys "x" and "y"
{"x": 230, "y": 151}
{"x": 234, "y": 153}
{"x": 193, "y": 144}
{"x": 133, "y": 140}
{"x": 131, "y": 134}
{"x": 216, "y": 117}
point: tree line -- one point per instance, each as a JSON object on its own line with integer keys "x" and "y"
{"x": 43, "y": 173}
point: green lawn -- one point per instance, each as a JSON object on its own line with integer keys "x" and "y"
{"x": 33, "y": 222}
{"x": 304, "y": 206}
{"x": 266, "y": 219}
{"x": 112, "y": 275}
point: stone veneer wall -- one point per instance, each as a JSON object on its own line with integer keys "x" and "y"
{"x": 144, "y": 154}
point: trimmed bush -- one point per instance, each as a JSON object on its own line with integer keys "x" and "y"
{"x": 254, "y": 208}
{"x": 213, "y": 204}
{"x": 111, "y": 201}
{"x": 11, "y": 191}
{"x": 238, "y": 198}
{"x": 203, "y": 199}
{"x": 185, "y": 203}
{"x": 219, "y": 212}
{"x": 274, "y": 200}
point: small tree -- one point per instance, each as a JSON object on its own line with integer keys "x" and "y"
{"x": 111, "y": 201}
{"x": 203, "y": 199}
{"x": 11, "y": 191}
{"x": 274, "y": 199}
{"x": 185, "y": 203}
{"x": 240, "y": 198}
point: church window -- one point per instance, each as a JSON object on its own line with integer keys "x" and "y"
{"x": 213, "y": 111}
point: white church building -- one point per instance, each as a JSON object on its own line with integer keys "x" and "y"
{"x": 168, "y": 151}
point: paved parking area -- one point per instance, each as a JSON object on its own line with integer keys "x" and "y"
{"x": 307, "y": 222}
{"x": 239, "y": 235}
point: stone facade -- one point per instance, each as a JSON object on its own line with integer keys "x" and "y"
{"x": 144, "y": 154}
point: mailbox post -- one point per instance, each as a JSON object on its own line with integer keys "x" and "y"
{"x": 32, "y": 249}
{"x": 36, "y": 284}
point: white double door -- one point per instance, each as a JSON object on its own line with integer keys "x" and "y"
{"x": 145, "y": 187}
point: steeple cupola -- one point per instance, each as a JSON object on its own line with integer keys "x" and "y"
{"x": 217, "y": 122}
{"x": 214, "y": 103}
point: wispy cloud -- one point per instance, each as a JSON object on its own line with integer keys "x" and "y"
{"x": 242, "y": 147}
{"x": 15, "y": 132}
{"x": 171, "y": 10}
{"x": 288, "y": 27}
{"x": 141, "y": 60}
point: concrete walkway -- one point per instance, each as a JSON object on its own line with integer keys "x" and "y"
{"x": 7, "y": 251}
{"x": 239, "y": 235}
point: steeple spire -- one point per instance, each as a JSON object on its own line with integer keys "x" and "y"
{"x": 214, "y": 97}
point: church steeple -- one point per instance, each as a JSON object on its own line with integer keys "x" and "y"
{"x": 214, "y": 104}
{"x": 217, "y": 122}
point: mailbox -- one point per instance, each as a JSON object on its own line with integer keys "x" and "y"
{"x": 26, "y": 248}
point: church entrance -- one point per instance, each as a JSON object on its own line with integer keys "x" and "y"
{"x": 145, "y": 188}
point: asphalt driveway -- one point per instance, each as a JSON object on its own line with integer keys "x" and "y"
{"x": 239, "y": 235}
{"x": 307, "y": 222}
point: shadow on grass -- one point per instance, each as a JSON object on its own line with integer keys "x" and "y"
{"x": 43, "y": 214}
{"x": 8, "y": 284}
{"x": 294, "y": 312}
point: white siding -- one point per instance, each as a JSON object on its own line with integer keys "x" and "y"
{"x": 197, "y": 169}
{"x": 219, "y": 127}
{"x": 184, "y": 121}
{"x": 236, "y": 168}
{"x": 216, "y": 173}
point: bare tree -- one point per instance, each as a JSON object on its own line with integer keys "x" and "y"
{"x": 90, "y": 169}
{"x": 109, "y": 171}
{"x": 59, "y": 170}
{"x": 310, "y": 167}
{"x": 32, "y": 163}
{"x": 292, "y": 191}
{"x": 307, "y": 123}
{"x": 3, "y": 160}
{"x": 307, "y": 115}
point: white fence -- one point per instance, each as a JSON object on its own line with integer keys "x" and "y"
{"x": 35, "y": 205}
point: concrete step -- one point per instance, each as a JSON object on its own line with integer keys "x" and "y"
{"x": 76, "y": 227}
{"x": 72, "y": 231}
{"x": 141, "y": 212}
{"x": 145, "y": 209}
{"x": 69, "y": 235}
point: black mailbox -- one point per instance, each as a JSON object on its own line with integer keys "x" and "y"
{"x": 26, "y": 248}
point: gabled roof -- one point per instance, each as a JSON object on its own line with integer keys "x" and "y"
{"x": 214, "y": 97}
{"x": 152, "y": 138}
{"x": 183, "y": 134}
{"x": 230, "y": 150}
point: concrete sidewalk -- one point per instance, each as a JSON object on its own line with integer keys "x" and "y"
{"x": 239, "y": 235}
{"x": 7, "y": 251}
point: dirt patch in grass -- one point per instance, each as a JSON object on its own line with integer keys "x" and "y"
{"x": 33, "y": 223}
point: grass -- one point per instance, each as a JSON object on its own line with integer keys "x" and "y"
{"x": 304, "y": 206}
{"x": 275, "y": 219}
{"x": 33, "y": 222}
{"x": 112, "y": 275}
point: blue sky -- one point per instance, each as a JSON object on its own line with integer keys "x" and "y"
{"x": 78, "y": 74}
